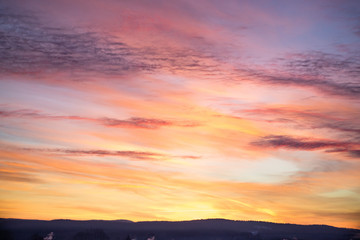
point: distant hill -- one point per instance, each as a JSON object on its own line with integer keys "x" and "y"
{"x": 211, "y": 229}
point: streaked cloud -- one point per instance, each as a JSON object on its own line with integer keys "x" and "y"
{"x": 322, "y": 72}
{"x": 81, "y": 53}
{"x": 136, "y": 155}
{"x": 33, "y": 47}
{"x": 337, "y": 120}
{"x": 136, "y": 122}
{"x": 19, "y": 177}
{"x": 279, "y": 141}
{"x": 30, "y": 47}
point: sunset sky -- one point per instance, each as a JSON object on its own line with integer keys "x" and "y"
{"x": 179, "y": 110}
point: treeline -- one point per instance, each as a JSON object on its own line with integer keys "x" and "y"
{"x": 214, "y": 229}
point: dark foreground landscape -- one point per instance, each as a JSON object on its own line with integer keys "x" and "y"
{"x": 213, "y": 229}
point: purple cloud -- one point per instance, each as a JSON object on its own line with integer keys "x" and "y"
{"x": 287, "y": 142}
{"x": 134, "y": 122}
{"x": 133, "y": 155}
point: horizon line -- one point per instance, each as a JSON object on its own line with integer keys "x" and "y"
{"x": 175, "y": 221}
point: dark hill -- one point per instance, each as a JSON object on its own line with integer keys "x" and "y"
{"x": 211, "y": 229}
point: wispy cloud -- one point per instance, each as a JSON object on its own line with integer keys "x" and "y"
{"x": 30, "y": 46}
{"x": 134, "y": 155}
{"x": 336, "y": 120}
{"x": 134, "y": 122}
{"x": 355, "y": 153}
{"x": 137, "y": 155}
{"x": 348, "y": 88}
{"x": 324, "y": 65}
{"x": 309, "y": 144}
{"x": 19, "y": 177}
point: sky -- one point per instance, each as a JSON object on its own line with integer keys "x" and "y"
{"x": 180, "y": 110}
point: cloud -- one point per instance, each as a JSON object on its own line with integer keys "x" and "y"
{"x": 350, "y": 13}
{"x": 355, "y": 153}
{"x": 287, "y": 142}
{"x": 30, "y": 113}
{"x": 19, "y": 177}
{"x": 332, "y": 74}
{"x": 134, "y": 122}
{"x": 95, "y": 209}
{"x": 354, "y": 215}
{"x": 308, "y": 144}
{"x": 337, "y": 121}
{"x": 345, "y": 89}
{"x": 134, "y": 155}
{"x": 137, "y": 155}
{"x": 189, "y": 157}
{"x": 322, "y": 64}
{"x": 30, "y": 46}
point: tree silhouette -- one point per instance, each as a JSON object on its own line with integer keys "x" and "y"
{"x": 5, "y": 235}
{"x": 93, "y": 234}
{"x": 36, "y": 236}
